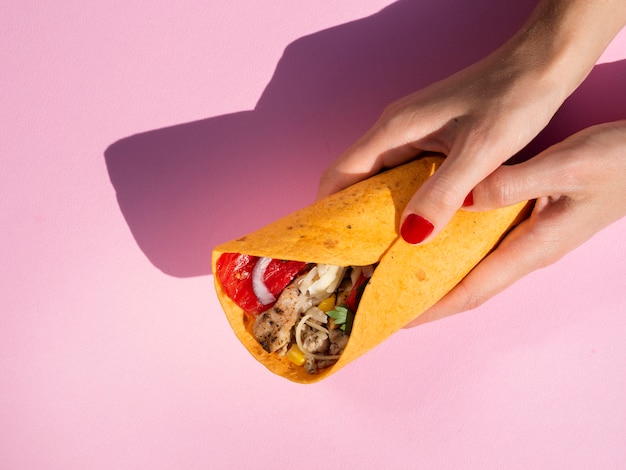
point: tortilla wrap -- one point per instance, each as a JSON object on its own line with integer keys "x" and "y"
{"x": 359, "y": 226}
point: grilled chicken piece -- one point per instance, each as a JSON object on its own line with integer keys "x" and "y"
{"x": 338, "y": 341}
{"x": 314, "y": 341}
{"x": 272, "y": 328}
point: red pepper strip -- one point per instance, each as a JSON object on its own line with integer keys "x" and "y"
{"x": 280, "y": 273}
{"x": 234, "y": 272}
{"x": 354, "y": 297}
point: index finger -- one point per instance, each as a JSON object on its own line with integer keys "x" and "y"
{"x": 386, "y": 145}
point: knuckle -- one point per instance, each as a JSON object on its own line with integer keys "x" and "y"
{"x": 469, "y": 299}
{"x": 396, "y": 107}
{"x": 444, "y": 194}
{"x": 390, "y": 113}
{"x": 500, "y": 189}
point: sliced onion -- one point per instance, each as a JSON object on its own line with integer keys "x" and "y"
{"x": 308, "y": 280}
{"x": 258, "y": 284}
{"x": 317, "y": 315}
{"x": 329, "y": 278}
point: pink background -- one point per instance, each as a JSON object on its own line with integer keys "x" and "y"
{"x": 137, "y": 135}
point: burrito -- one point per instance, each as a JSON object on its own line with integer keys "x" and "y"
{"x": 316, "y": 289}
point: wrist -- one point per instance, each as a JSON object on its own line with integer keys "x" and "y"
{"x": 562, "y": 40}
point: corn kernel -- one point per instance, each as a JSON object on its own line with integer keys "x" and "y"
{"x": 327, "y": 304}
{"x": 295, "y": 355}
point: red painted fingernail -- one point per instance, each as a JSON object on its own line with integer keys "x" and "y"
{"x": 415, "y": 229}
{"x": 469, "y": 199}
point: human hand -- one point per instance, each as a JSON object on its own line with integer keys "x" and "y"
{"x": 482, "y": 116}
{"x": 580, "y": 187}
{"x": 485, "y": 113}
{"x": 478, "y": 118}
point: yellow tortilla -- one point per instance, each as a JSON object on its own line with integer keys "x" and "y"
{"x": 359, "y": 226}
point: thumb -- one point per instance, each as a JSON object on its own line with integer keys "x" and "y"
{"x": 541, "y": 176}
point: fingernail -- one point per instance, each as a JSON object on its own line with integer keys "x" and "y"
{"x": 469, "y": 199}
{"x": 415, "y": 229}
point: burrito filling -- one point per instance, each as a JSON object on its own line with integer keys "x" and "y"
{"x": 303, "y": 311}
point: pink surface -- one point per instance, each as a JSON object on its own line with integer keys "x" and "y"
{"x": 137, "y": 135}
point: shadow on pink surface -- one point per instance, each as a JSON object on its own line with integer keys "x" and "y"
{"x": 185, "y": 188}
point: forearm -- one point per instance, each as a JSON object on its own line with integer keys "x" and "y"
{"x": 563, "y": 39}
